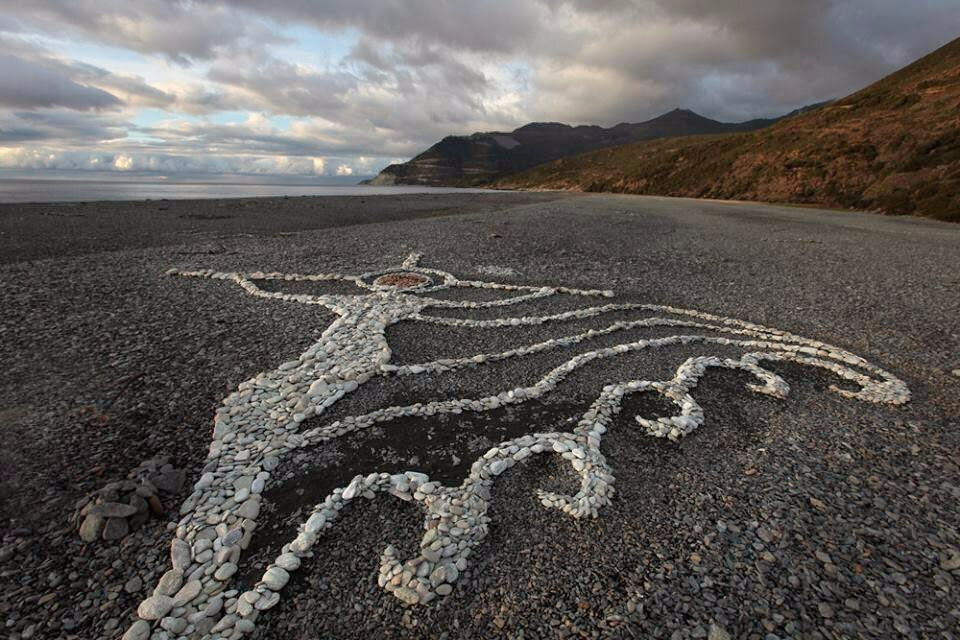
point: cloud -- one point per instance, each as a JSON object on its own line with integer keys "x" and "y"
{"x": 181, "y": 31}
{"x": 28, "y": 85}
{"x": 491, "y": 25}
{"x": 64, "y": 127}
{"x": 41, "y": 158}
{"x": 325, "y": 86}
{"x": 725, "y": 58}
{"x": 282, "y": 87}
{"x": 32, "y": 77}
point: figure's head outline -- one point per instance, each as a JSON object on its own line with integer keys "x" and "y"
{"x": 433, "y": 280}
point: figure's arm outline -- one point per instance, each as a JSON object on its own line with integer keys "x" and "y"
{"x": 333, "y": 303}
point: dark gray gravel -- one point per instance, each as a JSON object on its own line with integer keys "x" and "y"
{"x": 848, "y": 528}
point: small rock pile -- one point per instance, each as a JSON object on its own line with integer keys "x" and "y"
{"x": 113, "y": 511}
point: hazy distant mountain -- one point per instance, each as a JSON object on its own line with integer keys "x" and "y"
{"x": 482, "y": 157}
{"x": 893, "y": 147}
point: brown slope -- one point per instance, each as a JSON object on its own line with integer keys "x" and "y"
{"x": 892, "y": 147}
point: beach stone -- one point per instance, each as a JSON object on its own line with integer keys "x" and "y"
{"x": 115, "y": 528}
{"x": 214, "y": 605}
{"x": 244, "y": 626}
{"x": 352, "y": 489}
{"x": 156, "y": 506}
{"x": 407, "y": 595}
{"x": 267, "y": 601}
{"x": 139, "y": 630}
{"x": 187, "y": 593}
{"x": 315, "y": 522}
{"x": 244, "y": 608}
{"x": 233, "y": 537}
{"x": 204, "y": 626}
{"x": 225, "y": 571}
{"x": 169, "y": 481}
{"x": 139, "y": 504}
{"x": 169, "y": 583}
{"x": 155, "y": 607}
{"x": 275, "y": 578}
{"x": 205, "y": 481}
{"x": 133, "y": 585}
{"x": 92, "y": 527}
{"x": 950, "y": 560}
{"x": 319, "y": 387}
{"x": 115, "y": 510}
{"x": 180, "y": 554}
{"x": 288, "y": 562}
{"x": 717, "y": 632}
{"x": 174, "y": 625}
{"x": 250, "y": 509}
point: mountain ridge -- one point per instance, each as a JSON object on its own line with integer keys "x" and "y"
{"x": 482, "y": 157}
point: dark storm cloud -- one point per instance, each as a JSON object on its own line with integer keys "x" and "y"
{"x": 181, "y": 31}
{"x": 422, "y": 69}
{"x": 490, "y": 25}
{"x": 34, "y": 77}
{"x": 60, "y": 125}
{"x": 25, "y": 85}
{"x": 612, "y": 60}
{"x": 732, "y": 59}
{"x": 635, "y": 56}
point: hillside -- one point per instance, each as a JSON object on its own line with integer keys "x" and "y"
{"x": 482, "y": 157}
{"x": 892, "y": 147}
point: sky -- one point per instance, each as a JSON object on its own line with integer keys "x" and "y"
{"x": 344, "y": 87}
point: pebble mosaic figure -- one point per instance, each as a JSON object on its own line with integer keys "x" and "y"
{"x": 260, "y": 422}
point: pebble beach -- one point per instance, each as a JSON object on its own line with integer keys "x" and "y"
{"x": 526, "y": 415}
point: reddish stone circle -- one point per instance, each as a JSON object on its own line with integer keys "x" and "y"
{"x": 401, "y": 280}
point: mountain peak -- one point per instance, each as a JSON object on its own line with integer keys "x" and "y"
{"x": 682, "y": 113}
{"x": 482, "y": 157}
{"x": 543, "y": 127}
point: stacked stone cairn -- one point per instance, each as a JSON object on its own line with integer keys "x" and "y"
{"x": 113, "y": 511}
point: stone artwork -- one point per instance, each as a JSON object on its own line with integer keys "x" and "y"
{"x": 260, "y": 422}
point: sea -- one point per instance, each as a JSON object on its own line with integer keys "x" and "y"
{"x": 21, "y": 190}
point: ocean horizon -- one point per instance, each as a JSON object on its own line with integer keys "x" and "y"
{"x": 23, "y": 190}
